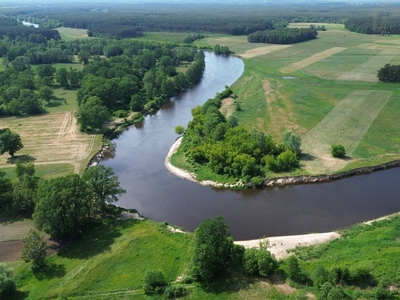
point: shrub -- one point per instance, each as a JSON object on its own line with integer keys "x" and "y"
{"x": 7, "y": 284}
{"x": 338, "y": 151}
{"x": 259, "y": 260}
{"x": 175, "y": 291}
{"x": 187, "y": 280}
{"x": 120, "y": 113}
{"x": 154, "y": 282}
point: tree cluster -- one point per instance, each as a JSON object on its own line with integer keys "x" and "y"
{"x": 338, "y": 150}
{"x": 7, "y": 283}
{"x": 383, "y": 24}
{"x": 283, "y": 35}
{"x": 9, "y": 142}
{"x": 228, "y": 148}
{"x": 389, "y": 73}
{"x": 136, "y": 76}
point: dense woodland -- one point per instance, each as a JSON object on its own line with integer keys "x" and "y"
{"x": 227, "y": 148}
{"x": 374, "y": 24}
{"x": 283, "y": 35}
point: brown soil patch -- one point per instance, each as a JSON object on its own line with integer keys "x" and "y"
{"x": 11, "y": 250}
{"x": 311, "y": 60}
{"x": 263, "y": 50}
{"x": 50, "y": 139}
{"x": 14, "y": 230}
{"x": 228, "y": 107}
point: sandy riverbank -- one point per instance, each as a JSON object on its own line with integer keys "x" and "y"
{"x": 187, "y": 175}
{"x": 280, "y": 244}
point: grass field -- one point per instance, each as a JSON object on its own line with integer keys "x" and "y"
{"x": 302, "y": 87}
{"x": 52, "y": 141}
{"x": 69, "y": 34}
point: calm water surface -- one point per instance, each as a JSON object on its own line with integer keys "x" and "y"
{"x": 161, "y": 196}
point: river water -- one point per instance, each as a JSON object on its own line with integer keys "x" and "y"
{"x": 161, "y": 196}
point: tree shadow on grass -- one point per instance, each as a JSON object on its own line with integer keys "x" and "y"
{"x": 307, "y": 157}
{"x": 56, "y": 102}
{"x": 7, "y": 220}
{"x": 96, "y": 239}
{"x": 22, "y": 158}
{"x": 49, "y": 271}
{"x": 20, "y": 295}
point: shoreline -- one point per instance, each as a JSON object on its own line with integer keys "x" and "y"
{"x": 278, "y": 181}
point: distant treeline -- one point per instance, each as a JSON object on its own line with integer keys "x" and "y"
{"x": 389, "y": 73}
{"x": 374, "y": 25}
{"x": 283, "y": 35}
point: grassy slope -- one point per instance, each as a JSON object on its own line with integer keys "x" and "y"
{"x": 113, "y": 257}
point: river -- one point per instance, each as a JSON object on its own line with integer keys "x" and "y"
{"x": 298, "y": 209}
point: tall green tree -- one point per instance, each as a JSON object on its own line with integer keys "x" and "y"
{"x": 25, "y": 187}
{"x": 62, "y": 77}
{"x": 7, "y": 283}
{"x": 35, "y": 249}
{"x": 5, "y": 191}
{"x": 104, "y": 184}
{"x": 63, "y": 206}
{"x": 292, "y": 141}
{"x": 212, "y": 250}
{"x": 9, "y": 142}
{"x": 93, "y": 114}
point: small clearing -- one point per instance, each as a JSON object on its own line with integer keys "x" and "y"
{"x": 227, "y": 107}
{"x": 345, "y": 124}
{"x": 72, "y": 33}
{"x": 311, "y": 60}
{"x": 263, "y": 50}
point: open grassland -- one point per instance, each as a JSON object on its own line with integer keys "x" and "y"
{"x": 52, "y": 141}
{"x": 69, "y": 34}
{"x": 302, "y": 86}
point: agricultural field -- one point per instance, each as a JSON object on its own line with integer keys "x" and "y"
{"x": 69, "y": 34}
{"x": 52, "y": 141}
{"x": 327, "y": 91}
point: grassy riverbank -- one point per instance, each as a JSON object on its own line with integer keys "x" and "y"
{"x": 111, "y": 260}
{"x": 327, "y": 91}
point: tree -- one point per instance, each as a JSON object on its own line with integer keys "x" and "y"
{"x": 338, "y": 151}
{"x": 93, "y": 114}
{"x": 212, "y": 249}
{"x": 104, "y": 185}
{"x": 5, "y": 191}
{"x": 46, "y": 71}
{"x": 35, "y": 249}
{"x": 63, "y": 206}
{"x": 292, "y": 141}
{"x": 179, "y": 129}
{"x": 25, "y": 187}
{"x": 45, "y": 93}
{"x": 62, "y": 77}
{"x": 154, "y": 282}
{"x": 7, "y": 284}
{"x": 259, "y": 260}
{"x": 9, "y": 142}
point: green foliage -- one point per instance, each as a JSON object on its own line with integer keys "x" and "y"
{"x": 212, "y": 250}
{"x": 338, "y": 151}
{"x": 93, "y": 114}
{"x": 25, "y": 187}
{"x": 35, "y": 249}
{"x": 294, "y": 272}
{"x": 63, "y": 206}
{"x": 5, "y": 191}
{"x": 9, "y": 142}
{"x": 292, "y": 141}
{"x": 175, "y": 291}
{"x": 154, "y": 282}
{"x": 7, "y": 284}
{"x": 259, "y": 261}
{"x": 104, "y": 184}
{"x": 283, "y": 35}
{"x": 179, "y": 129}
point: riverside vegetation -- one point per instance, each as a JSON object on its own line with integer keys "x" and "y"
{"x": 301, "y": 87}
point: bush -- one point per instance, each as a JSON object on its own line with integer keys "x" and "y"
{"x": 338, "y": 151}
{"x": 7, "y": 284}
{"x": 175, "y": 291}
{"x": 154, "y": 282}
{"x": 187, "y": 280}
{"x": 259, "y": 261}
{"x": 120, "y": 113}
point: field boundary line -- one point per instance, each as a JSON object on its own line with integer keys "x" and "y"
{"x": 311, "y": 60}
{"x": 263, "y": 50}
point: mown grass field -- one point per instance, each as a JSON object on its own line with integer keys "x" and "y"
{"x": 69, "y": 34}
{"x": 303, "y": 87}
{"x": 52, "y": 141}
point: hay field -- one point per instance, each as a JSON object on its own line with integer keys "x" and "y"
{"x": 50, "y": 139}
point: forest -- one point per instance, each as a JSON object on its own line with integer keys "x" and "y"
{"x": 283, "y": 35}
{"x": 389, "y": 73}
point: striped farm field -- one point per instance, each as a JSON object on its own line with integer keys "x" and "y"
{"x": 346, "y": 123}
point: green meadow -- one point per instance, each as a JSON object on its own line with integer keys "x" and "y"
{"x": 303, "y": 88}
